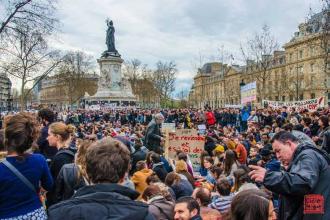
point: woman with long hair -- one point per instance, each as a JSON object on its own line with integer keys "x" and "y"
{"x": 231, "y": 163}
{"x": 22, "y": 173}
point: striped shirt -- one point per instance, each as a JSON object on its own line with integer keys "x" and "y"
{"x": 222, "y": 203}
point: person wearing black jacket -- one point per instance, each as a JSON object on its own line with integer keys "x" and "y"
{"x": 46, "y": 117}
{"x": 304, "y": 185}
{"x": 107, "y": 162}
{"x": 139, "y": 154}
{"x": 153, "y": 137}
{"x": 59, "y": 137}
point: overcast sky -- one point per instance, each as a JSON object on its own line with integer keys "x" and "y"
{"x": 176, "y": 30}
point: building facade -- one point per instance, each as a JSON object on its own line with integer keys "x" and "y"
{"x": 5, "y": 93}
{"x": 300, "y": 71}
{"x": 52, "y": 92}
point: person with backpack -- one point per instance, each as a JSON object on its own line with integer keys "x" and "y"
{"x": 59, "y": 136}
{"x": 304, "y": 185}
{"x": 22, "y": 174}
{"x": 72, "y": 176}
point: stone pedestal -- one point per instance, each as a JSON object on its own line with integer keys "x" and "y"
{"x": 112, "y": 86}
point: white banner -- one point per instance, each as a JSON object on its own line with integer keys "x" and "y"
{"x": 310, "y": 104}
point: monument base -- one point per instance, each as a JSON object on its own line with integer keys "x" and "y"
{"x": 112, "y": 87}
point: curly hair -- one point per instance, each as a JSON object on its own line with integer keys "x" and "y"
{"x": 21, "y": 131}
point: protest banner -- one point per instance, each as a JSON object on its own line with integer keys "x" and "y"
{"x": 249, "y": 93}
{"x": 189, "y": 142}
{"x": 93, "y": 107}
{"x": 233, "y": 106}
{"x": 310, "y": 104}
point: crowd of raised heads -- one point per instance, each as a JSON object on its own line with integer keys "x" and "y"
{"x": 257, "y": 164}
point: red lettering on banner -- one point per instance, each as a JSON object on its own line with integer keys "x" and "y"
{"x": 313, "y": 204}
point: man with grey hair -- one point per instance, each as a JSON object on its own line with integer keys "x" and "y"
{"x": 153, "y": 136}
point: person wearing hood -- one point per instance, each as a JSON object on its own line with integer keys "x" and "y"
{"x": 107, "y": 162}
{"x": 159, "y": 207}
{"x": 304, "y": 184}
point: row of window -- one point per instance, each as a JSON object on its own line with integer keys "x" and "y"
{"x": 300, "y": 54}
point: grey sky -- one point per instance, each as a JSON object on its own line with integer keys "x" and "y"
{"x": 177, "y": 30}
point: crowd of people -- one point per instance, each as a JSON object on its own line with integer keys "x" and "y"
{"x": 261, "y": 164}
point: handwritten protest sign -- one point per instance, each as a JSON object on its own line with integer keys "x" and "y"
{"x": 313, "y": 204}
{"x": 189, "y": 142}
{"x": 310, "y": 104}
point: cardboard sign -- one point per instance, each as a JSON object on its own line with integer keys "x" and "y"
{"x": 189, "y": 142}
{"x": 313, "y": 204}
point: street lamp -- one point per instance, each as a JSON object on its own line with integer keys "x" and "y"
{"x": 242, "y": 83}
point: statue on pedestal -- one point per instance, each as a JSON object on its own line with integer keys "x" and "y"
{"x": 110, "y": 41}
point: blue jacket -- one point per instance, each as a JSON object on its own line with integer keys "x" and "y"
{"x": 245, "y": 112}
{"x": 273, "y": 165}
{"x": 15, "y": 197}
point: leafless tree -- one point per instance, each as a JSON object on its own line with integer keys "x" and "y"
{"x": 37, "y": 13}
{"x": 75, "y": 76}
{"x": 28, "y": 58}
{"x": 260, "y": 49}
{"x": 164, "y": 79}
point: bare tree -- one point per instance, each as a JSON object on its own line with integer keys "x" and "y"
{"x": 133, "y": 70}
{"x": 183, "y": 97}
{"x": 28, "y": 57}
{"x": 74, "y": 76}
{"x": 38, "y": 13}
{"x": 260, "y": 49}
{"x": 198, "y": 61}
{"x": 164, "y": 79}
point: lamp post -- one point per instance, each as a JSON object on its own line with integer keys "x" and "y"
{"x": 242, "y": 83}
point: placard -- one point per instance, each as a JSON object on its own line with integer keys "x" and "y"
{"x": 249, "y": 93}
{"x": 189, "y": 142}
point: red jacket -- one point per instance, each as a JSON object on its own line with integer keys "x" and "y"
{"x": 210, "y": 119}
